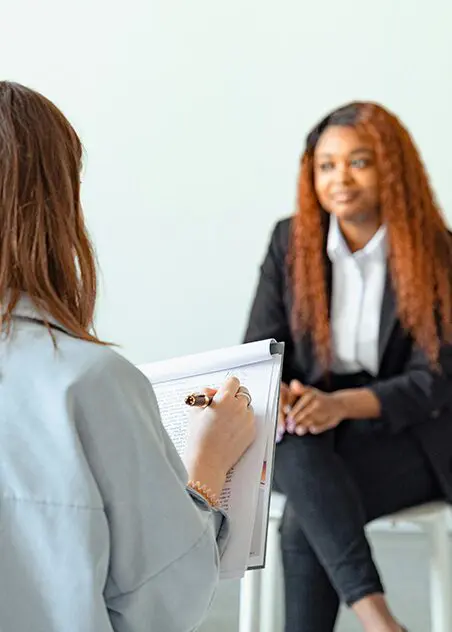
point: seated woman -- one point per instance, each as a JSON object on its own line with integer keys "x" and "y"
{"x": 358, "y": 285}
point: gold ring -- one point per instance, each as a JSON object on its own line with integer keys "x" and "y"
{"x": 244, "y": 393}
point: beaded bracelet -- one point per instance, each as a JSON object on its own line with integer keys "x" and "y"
{"x": 205, "y": 492}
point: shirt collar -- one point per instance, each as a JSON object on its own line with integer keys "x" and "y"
{"x": 337, "y": 247}
{"x": 27, "y": 309}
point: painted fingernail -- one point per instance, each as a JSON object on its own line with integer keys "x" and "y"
{"x": 279, "y": 435}
{"x": 300, "y": 431}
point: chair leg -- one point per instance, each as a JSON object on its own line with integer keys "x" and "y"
{"x": 440, "y": 576}
{"x": 249, "y": 602}
{"x": 269, "y": 586}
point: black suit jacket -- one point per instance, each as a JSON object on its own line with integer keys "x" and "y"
{"x": 413, "y": 397}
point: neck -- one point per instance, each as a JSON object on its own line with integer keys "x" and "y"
{"x": 358, "y": 234}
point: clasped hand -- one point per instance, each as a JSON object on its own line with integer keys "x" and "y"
{"x": 304, "y": 409}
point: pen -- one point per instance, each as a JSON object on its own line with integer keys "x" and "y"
{"x": 198, "y": 399}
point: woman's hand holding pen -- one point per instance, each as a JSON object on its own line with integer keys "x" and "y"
{"x": 304, "y": 409}
{"x": 218, "y": 435}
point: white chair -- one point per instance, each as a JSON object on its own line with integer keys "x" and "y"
{"x": 259, "y": 589}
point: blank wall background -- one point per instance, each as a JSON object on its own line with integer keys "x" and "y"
{"x": 193, "y": 116}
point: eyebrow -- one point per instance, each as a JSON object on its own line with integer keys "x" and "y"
{"x": 359, "y": 150}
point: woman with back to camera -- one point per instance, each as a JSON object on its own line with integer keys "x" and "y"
{"x": 102, "y": 528}
{"x": 358, "y": 285}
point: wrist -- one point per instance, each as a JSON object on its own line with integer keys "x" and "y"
{"x": 212, "y": 477}
{"x": 341, "y": 402}
{"x": 357, "y": 403}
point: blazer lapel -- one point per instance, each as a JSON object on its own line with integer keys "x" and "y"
{"x": 388, "y": 316}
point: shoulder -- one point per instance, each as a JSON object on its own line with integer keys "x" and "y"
{"x": 70, "y": 362}
{"x": 282, "y": 228}
{"x": 280, "y": 236}
{"x": 93, "y": 364}
{"x": 103, "y": 385}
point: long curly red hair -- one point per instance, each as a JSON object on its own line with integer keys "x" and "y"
{"x": 420, "y": 252}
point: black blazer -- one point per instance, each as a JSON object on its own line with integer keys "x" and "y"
{"x": 413, "y": 397}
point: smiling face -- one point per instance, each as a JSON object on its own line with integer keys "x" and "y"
{"x": 346, "y": 176}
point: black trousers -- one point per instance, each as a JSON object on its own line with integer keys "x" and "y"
{"x": 335, "y": 483}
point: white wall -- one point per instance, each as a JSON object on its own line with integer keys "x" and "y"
{"x": 193, "y": 114}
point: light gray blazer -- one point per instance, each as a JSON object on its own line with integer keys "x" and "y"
{"x": 97, "y": 530}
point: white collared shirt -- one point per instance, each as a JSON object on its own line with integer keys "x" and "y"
{"x": 356, "y": 302}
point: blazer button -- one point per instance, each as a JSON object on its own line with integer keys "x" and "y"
{"x": 435, "y": 413}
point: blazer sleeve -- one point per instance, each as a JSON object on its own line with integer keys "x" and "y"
{"x": 268, "y": 316}
{"x": 419, "y": 394}
{"x": 164, "y": 556}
